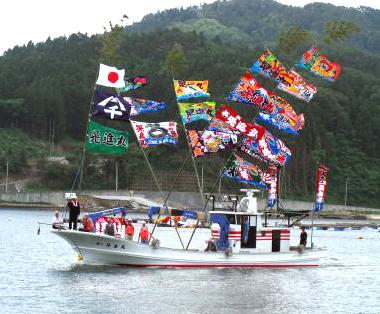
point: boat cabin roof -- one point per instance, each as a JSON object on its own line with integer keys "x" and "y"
{"x": 227, "y": 212}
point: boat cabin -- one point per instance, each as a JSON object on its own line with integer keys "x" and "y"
{"x": 241, "y": 229}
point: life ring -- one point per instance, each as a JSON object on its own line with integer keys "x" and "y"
{"x": 157, "y": 131}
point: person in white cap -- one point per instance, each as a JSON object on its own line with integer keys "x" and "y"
{"x": 57, "y": 222}
{"x": 87, "y": 224}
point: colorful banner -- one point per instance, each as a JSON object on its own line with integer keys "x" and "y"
{"x": 133, "y": 83}
{"x": 286, "y": 121}
{"x": 268, "y": 149}
{"x": 154, "y": 134}
{"x": 139, "y": 106}
{"x": 110, "y": 106}
{"x": 270, "y": 178}
{"x": 320, "y": 187}
{"x": 205, "y": 142}
{"x": 195, "y": 112}
{"x": 100, "y": 139}
{"x": 277, "y": 112}
{"x": 234, "y": 121}
{"x": 244, "y": 172}
{"x": 259, "y": 142}
{"x": 318, "y": 64}
{"x": 185, "y": 90}
{"x": 270, "y": 67}
{"x": 299, "y": 87}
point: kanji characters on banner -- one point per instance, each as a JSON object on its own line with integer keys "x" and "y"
{"x": 101, "y": 139}
{"x": 276, "y": 111}
{"x": 154, "y": 134}
{"x": 110, "y": 106}
{"x": 270, "y": 178}
{"x": 320, "y": 187}
{"x": 258, "y": 142}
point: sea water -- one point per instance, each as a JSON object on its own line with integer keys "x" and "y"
{"x": 41, "y": 274}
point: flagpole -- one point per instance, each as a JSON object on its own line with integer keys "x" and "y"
{"x": 164, "y": 200}
{"x": 85, "y": 135}
{"x": 219, "y": 178}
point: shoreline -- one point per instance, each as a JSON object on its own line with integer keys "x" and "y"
{"x": 26, "y": 206}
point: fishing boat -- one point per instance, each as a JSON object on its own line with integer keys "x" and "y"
{"x": 221, "y": 236}
{"x": 242, "y": 239}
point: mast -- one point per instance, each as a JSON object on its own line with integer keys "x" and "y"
{"x": 85, "y": 137}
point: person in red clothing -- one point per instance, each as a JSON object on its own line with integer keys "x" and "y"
{"x": 87, "y": 223}
{"x": 144, "y": 234}
{"x": 129, "y": 230}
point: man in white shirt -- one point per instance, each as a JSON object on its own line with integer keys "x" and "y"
{"x": 57, "y": 222}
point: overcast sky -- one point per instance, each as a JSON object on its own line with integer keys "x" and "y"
{"x": 36, "y": 20}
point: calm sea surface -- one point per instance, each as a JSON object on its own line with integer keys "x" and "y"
{"x": 39, "y": 274}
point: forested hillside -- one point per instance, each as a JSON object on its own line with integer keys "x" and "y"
{"x": 45, "y": 89}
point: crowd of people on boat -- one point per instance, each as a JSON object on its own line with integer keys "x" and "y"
{"x": 111, "y": 227}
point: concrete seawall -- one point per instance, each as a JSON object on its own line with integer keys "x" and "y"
{"x": 177, "y": 199}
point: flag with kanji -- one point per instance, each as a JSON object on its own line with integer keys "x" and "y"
{"x": 320, "y": 187}
{"x": 154, "y": 134}
{"x": 110, "y": 106}
{"x": 270, "y": 178}
{"x": 101, "y": 139}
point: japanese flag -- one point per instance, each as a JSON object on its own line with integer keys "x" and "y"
{"x": 110, "y": 76}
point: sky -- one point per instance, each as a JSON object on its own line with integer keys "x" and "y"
{"x": 36, "y": 20}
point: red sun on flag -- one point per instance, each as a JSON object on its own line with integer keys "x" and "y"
{"x": 113, "y": 77}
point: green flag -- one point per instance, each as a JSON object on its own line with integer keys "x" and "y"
{"x": 101, "y": 139}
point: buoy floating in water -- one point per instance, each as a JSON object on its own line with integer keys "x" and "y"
{"x": 80, "y": 258}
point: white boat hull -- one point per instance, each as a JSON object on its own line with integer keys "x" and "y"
{"x": 102, "y": 249}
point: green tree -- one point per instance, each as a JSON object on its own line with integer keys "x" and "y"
{"x": 339, "y": 31}
{"x": 111, "y": 41}
{"x": 292, "y": 38}
{"x": 175, "y": 62}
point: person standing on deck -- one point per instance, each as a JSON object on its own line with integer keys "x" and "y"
{"x": 129, "y": 230}
{"x": 303, "y": 237}
{"x": 74, "y": 207}
{"x": 144, "y": 234}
